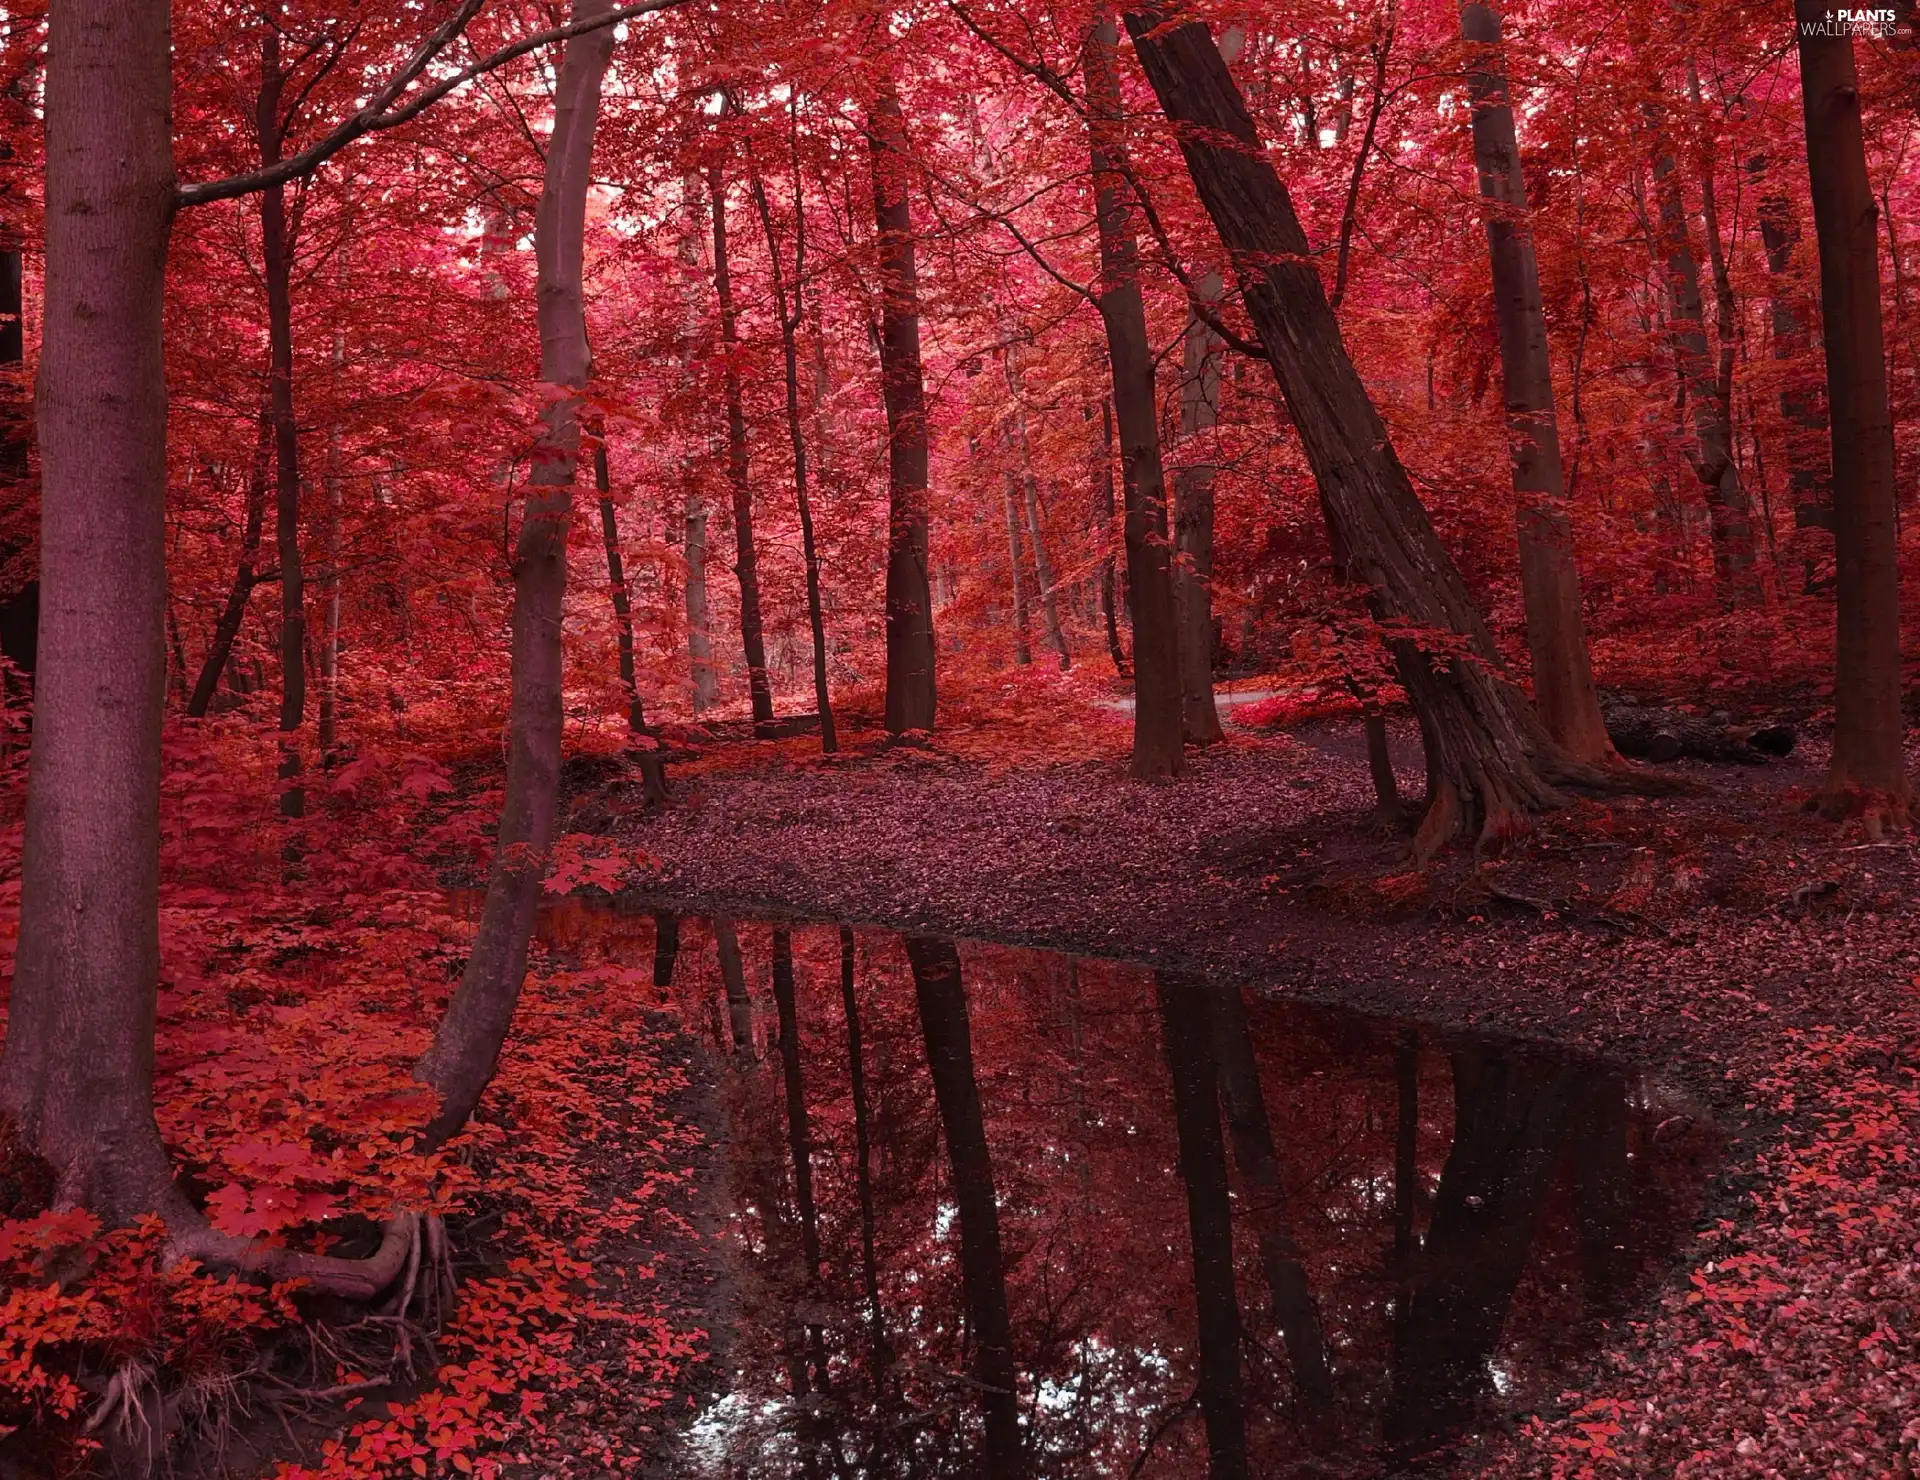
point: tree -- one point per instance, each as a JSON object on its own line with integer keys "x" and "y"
{"x": 467, "y": 1043}
{"x": 1156, "y": 652}
{"x": 1193, "y": 523}
{"x": 1868, "y": 775}
{"x": 1492, "y": 760}
{"x": 746, "y": 566}
{"x": 1563, "y": 689}
{"x": 910, "y": 660}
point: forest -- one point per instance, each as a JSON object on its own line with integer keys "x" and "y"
{"x": 751, "y": 738}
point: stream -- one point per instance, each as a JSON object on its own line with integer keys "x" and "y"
{"x": 991, "y": 1212}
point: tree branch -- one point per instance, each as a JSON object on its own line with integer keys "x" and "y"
{"x": 386, "y": 111}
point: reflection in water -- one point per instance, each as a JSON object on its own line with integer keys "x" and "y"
{"x": 998, "y": 1213}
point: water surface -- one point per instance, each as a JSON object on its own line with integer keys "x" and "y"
{"x": 998, "y": 1212}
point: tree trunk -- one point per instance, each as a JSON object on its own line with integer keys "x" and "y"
{"x": 1809, "y": 480}
{"x": 910, "y": 654}
{"x": 1103, "y": 511}
{"x": 1193, "y": 525}
{"x": 617, "y": 584}
{"x": 1036, "y": 526}
{"x": 1563, "y": 690}
{"x": 1016, "y": 575}
{"x": 1294, "y": 1311}
{"x": 1493, "y": 760}
{"x": 76, "y": 1075}
{"x": 733, "y": 976}
{"x": 1203, "y": 1169}
{"x": 329, "y": 733}
{"x": 1156, "y": 653}
{"x": 790, "y": 316}
{"x": 1729, "y": 511}
{"x": 746, "y": 561}
{"x": 245, "y": 578}
{"x": 701, "y": 672}
{"x": 461, "y": 1059}
{"x": 1868, "y": 775}
{"x": 277, "y": 266}
{"x": 943, "y": 1021}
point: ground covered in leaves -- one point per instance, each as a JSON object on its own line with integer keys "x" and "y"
{"x": 1765, "y": 960}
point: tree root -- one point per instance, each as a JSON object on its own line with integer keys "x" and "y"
{"x": 1879, "y": 811}
{"x": 403, "y": 1242}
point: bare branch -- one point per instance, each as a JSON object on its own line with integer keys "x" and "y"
{"x": 386, "y": 111}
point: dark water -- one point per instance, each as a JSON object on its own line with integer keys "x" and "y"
{"x": 996, "y": 1212}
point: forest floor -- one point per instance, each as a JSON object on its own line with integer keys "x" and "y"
{"x": 1755, "y": 956}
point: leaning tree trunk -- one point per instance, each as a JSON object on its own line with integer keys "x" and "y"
{"x": 76, "y": 1076}
{"x": 1729, "y": 510}
{"x": 1492, "y": 760}
{"x": 617, "y": 587}
{"x": 277, "y": 264}
{"x": 1563, "y": 690}
{"x": 746, "y": 560}
{"x": 1868, "y": 775}
{"x": 910, "y": 689}
{"x": 245, "y": 577}
{"x": 1193, "y": 525}
{"x": 461, "y": 1059}
{"x": 1156, "y": 653}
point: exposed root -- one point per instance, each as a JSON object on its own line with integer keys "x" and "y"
{"x": 1616, "y": 778}
{"x": 123, "y": 1407}
{"x": 1879, "y": 810}
{"x": 1443, "y": 820}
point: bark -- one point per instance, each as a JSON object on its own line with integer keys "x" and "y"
{"x": 1729, "y": 511}
{"x": 1103, "y": 510}
{"x": 1492, "y": 759}
{"x": 943, "y": 1021}
{"x": 1035, "y": 523}
{"x": 1203, "y": 1170}
{"x": 910, "y": 653}
{"x": 245, "y": 577}
{"x": 76, "y": 1075}
{"x": 1156, "y": 653}
{"x": 1868, "y": 775}
{"x": 1294, "y": 1311}
{"x": 1667, "y": 734}
{"x": 733, "y": 974}
{"x": 277, "y": 264}
{"x": 790, "y": 316}
{"x": 1809, "y": 481}
{"x": 1016, "y": 576}
{"x": 746, "y": 566}
{"x": 1193, "y": 524}
{"x": 704, "y": 676}
{"x": 1511, "y": 1118}
{"x": 329, "y": 731}
{"x": 461, "y": 1059}
{"x": 617, "y": 584}
{"x": 1563, "y": 690}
